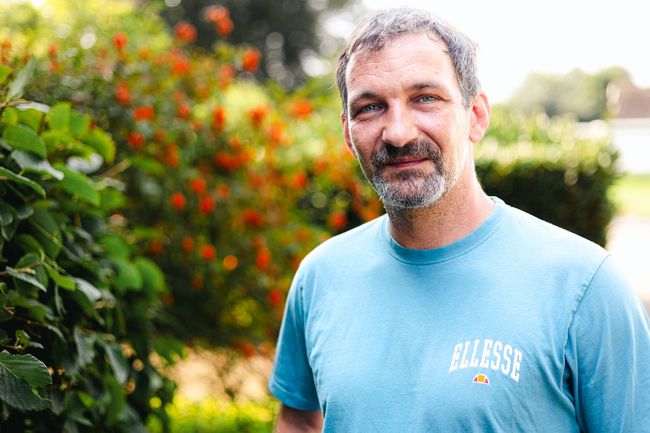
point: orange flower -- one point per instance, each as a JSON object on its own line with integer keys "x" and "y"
{"x": 178, "y": 201}
{"x": 301, "y": 109}
{"x": 218, "y": 119}
{"x": 216, "y": 13}
{"x": 230, "y": 263}
{"x": 275, "y": 297}
{"x": 252, "y": 218}
{"x": 257, "y": 115}
{"x": 172, "y": 156}
{"x": 337, "y": 220}
{"x": 156, "y": 247}
{"x": 276, "y": 133}
{"x": 208, "y": 252}
{"x": 251, "y": 59}
{"x": 299, "y": 180}
{"x": 136, "y": 140}
{"x": 223, "y": 191}
{"x": 185, "y": 32}
{"x": 180, "y": 63}
{"x": 220, "y": 17}
{"x": 224, "y": 27}
{"x": 263, "y": 259}
{"x": 187, "y": 243}
{"x": 144, "y": 112}
{"x": 206, "y": 205}
{"x": 226, "y": 74}
{"x": 122, "y": 94}
{"x": 52, "y": 51}
{"x": 184, "y": 110}
{"x": 198, "y": 185}
{"x": 119, "y": 42}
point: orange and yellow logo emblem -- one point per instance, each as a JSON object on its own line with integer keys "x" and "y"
{"x": 481, "y": 378}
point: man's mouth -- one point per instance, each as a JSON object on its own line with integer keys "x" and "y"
{"x": 405, "y": 163}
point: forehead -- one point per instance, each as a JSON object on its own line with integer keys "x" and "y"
{"x": 419, "y": 56}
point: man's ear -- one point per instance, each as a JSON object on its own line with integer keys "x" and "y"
{"x": 479, "y": 118}
{"x": 346, "y": 133}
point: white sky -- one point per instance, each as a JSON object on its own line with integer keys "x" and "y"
{"x": 517, "y": 37}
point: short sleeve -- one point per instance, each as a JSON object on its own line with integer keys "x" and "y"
{"x": 292, "y": 379}
{"x": 608, "y": 353}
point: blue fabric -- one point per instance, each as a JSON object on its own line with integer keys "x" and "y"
{"x": 518, "y": 327}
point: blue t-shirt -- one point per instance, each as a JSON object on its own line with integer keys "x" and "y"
{"x": 518, "y": 327}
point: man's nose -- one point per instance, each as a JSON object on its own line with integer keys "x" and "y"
{"x": 400, "y": 127}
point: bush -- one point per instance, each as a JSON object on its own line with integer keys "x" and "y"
{"x": 77, "y": 303}
{"x": 539, "y": 165}
{"x": 213, "y": 415}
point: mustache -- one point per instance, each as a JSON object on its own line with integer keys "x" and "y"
{"x": 418, "y": 149}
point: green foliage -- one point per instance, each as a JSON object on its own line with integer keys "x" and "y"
{"x": 78, "y": 343}
{"x": 578, "y": 93}
{"x": 539, "y": 165}
{"x": 212, "y": 415}
{"x": 631, "y": 194}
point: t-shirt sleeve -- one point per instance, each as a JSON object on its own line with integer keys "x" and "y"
{"x": 608, "y": 352}
{"x": 292, "y": 380}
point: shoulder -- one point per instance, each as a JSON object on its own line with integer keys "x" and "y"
{"x": 348, "y": 245}
{"x": 550, "y": 242}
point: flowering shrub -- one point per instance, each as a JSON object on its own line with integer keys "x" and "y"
{"x": 229, "y": 183}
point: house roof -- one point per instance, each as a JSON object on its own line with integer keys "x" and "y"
{"x": 628, "y": 101}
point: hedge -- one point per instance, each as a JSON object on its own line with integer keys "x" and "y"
{"x": 77, "y": 304}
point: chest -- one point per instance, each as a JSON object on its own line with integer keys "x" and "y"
{"x": 417, "y": 343}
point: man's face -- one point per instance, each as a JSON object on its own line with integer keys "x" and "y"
{"x": 406, "y": 121}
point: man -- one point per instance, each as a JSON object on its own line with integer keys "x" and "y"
{"x": 454, "y": 312}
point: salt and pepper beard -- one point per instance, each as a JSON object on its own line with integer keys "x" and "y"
{"x": 411, "y": 188}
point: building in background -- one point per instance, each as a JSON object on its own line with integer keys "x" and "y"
{"x": 630, "y": 126}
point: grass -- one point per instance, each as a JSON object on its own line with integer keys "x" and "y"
{"x": 631, "y": 194}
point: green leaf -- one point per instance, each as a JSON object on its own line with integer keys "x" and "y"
{"x": 112, "y": 199}
{"x": 47, "y": 231}
{"x": 79, "y": 124}
{"x": 115, "y": 357}
{"x": 25, "y": 277}
{"x": 7, "y": 214}
{"x": 115, "y": 247}
{"x": 128, "y": 275}
{"x": 17, "y": 394}
{"x": 27, "y": 368}
{"x": 10, "y": 175}
{"x": 102, "y": 143}
{"x": 22, "y": 137}
{"x": 59, "y": 117}
{"x": 78, "y": 185}
{"x": 17, "y": 87}
{"x": 4, "y": 73}
{"x": 29, "y": 244}
{"x": 85, "y": 349}
{"x": 60, "y": 280}
{"x": 92, "y": 293}
{"x": 31, "y": 117}
{"x": 30, "y": 162}
{"x": 24, "y": 211}
{"x": 10, "y": 116}
{"x": 117, "y": 400}
{"x": 152, "y": 277}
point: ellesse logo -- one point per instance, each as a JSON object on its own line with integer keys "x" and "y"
{"x": 487, "y": 354}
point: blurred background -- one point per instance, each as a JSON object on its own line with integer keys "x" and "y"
{"x": 166, "y": 164}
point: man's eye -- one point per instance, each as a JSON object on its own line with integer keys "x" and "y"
{"x": 427, "y": 98}
{"x": 368, "y": 108}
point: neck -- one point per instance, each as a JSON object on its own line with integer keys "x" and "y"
{"x": 459, "y": 212}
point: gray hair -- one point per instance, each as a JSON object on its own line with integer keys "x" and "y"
{"x": 378, "y": 30}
